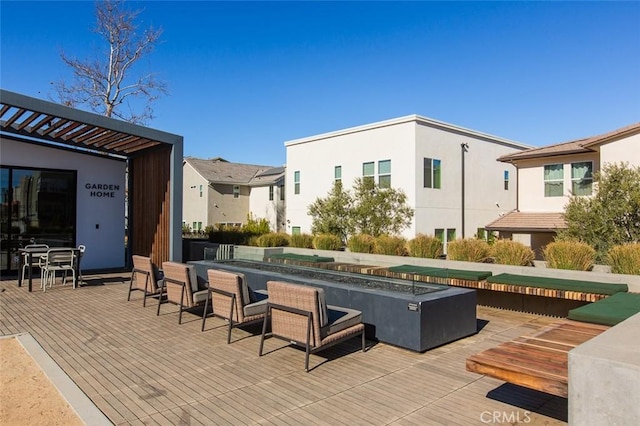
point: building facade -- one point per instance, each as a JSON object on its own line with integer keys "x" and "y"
{"x": 220, "y": 193}
{"x": 449, "y": 174}
{"x": 549, "y": 176}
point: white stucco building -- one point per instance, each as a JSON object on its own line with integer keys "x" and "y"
{"x": 548, "y": 176}
{"x": 449, "y": 174}
{"x": 218, "y": 192}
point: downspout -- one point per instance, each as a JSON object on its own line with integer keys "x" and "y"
{"x": 464, "y": 147}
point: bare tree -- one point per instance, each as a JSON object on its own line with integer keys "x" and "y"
{"x": 105, "y": 83}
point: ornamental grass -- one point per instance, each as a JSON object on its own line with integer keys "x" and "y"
{"x": 625, "y": 259}
{"x": 390, "y": 245}
{"x": 361, "y": 243}
{"x": 469, "y": 250}
{"x": 508, "y": 252}
{"x": 327, "y": 242}
{"x": 273, "y": 239}
{"x": 572, "y": 255}
{"x": 425, "y": 246}
{"x": 301, "y": 241}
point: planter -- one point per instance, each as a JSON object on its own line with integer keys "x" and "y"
{"x": 418, "y": 322}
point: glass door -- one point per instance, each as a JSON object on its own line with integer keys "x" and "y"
{"x": 37, "y": 206}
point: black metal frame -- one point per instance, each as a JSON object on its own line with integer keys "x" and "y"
{"x": 232, "y": 324}
{"x": 307, "y": 345}
{"x": 164, "y": 288}
{"x": 147, "y": 281}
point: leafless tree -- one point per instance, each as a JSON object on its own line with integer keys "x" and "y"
{"x": 105, "y": 82}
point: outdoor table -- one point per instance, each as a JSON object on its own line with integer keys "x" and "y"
{"x": 37, "y": 252}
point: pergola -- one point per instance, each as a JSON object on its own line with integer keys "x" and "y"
{"x": 154, "y": 164}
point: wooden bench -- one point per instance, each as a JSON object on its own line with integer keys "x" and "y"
{"x": 539, "y": 361}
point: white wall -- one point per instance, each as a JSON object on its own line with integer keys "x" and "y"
{"x": 100, "y": 223}
{"x": 194, "y": 206}
{"x": 262, "y": 208}
{"x": 624, "y": 150}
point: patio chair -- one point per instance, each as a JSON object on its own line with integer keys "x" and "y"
{"x": 145, "y": 277}
{"x": 299, "y": 315}
{"x": 57, "y": 260}
{"x": 182, "y": 287}
{"x": 233, "y": 300}
{"x": 35, "y": 260}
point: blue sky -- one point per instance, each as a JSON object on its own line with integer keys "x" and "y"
{"x": 244, "y": 77}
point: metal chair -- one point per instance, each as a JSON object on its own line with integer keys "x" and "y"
{"x": 35, "y": 261}
{"x": 57, "y": 259}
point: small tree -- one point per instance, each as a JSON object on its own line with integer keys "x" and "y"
{"x": 612, "y": 216}
{"x": 330, "y": 215}
{"x": 105, "y": 83}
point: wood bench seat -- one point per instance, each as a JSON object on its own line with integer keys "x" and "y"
{"x": 539, "y": 361}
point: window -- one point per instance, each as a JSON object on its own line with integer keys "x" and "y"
{"x": 582, "y": 178}
{"x": 281, "y": 189}
{"x": 200, "y": 191}
{"x": 384, "y": 174}
{"x": 270, "y": 192}
{"x": 368, "y": 171}
{"x": 337, "y": 174}
{"x": 199, "y": 226}
{"x": 451, "y": 235}
{"x": 506, "y": 180}
{"x": 432, "y": 173}
{"x": 236, "y": 191}
{"x": 439, "y": 234}
{"x": 296, "y": 182}
{"x": 195, "y": 226}
{"x": 553, "y": 180}
{"x": 295, "y": 230}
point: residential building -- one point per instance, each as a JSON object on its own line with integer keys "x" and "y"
{"x": 549, "y": 176}
{"x": 218, "y": 192}
{"x": 449, "y": 174}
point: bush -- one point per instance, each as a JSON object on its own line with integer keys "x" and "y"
{"x": 625, "y": 259}
{"x": 327, "y": 242}
{"x": 390, "y": 245}
{"x": 301, "y": 241}
{"x": 273, "y": 239}
{"x": 256, "y": 226}
{"x": 574, "y": 255}
{"x": 361, "y": 243}
{"x": 232, "y": 236}
{"x": 469, "y": 250}
{"x": 507, "y": 252}
{"x": 425, "y": 246}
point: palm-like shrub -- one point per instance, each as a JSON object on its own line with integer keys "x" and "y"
{"x": 625, "y": 259}
{"x": 301, "y": 241}
{"x": 327, "y": 242}
{"x": 361, "y": 243}
{"x": 469, "y": 250}
{"x": 508, "y": 252}
{"x": 390, "y": 245}
{"x": 573, "y": 255}
{"x": 425, "y": 246}
{"x": 273, "y": 239}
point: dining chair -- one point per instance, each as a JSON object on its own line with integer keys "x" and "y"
{"x": 57, "y": 259}
{"x": 35, "y": 260}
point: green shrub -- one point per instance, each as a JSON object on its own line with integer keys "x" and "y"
{"x": 361, "y": 243}
{"x": 508, "y": 252}
{"x": 425, "y": 246}
{"x": 390, "y": 245}
{"x": 301, "y": 241}
{"x": 469, "y": 250}
{"x": 256, "y": 226}
{"x": 625, "y": 259}
{"x": 231, "y": 236}
{"x": 574, "y": 255}
{"x": 327, "y": 242}
{"x": 273, "y": 239}
{"x": 253, "y": 241}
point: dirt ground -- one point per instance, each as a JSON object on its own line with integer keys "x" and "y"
{"x": 27, "y": 396}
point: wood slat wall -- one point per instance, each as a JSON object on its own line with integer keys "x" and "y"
{"x": 150, "y": 201}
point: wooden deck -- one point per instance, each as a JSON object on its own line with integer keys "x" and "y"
{"x": 539, "y": 361}
{"x": 142, "y": 369}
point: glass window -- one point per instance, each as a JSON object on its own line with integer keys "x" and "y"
{"x": 451, "y": 235}
{"x": 270, "y": 192}
{"x": 582, "y": 178}
{"x": 295, "y": 230}
{"x": 368, "y": 171}
{"x": 296, "y": 182}
{"x": 384, "y": 174}
{"x": 439, "y": 234}
{"x": 432, "y": 173}
{"x": 236, "y": 191}
{"x": 506, "y": 180}
{"x": 200, "y": 191}
{"x": 553, "y": 180}
{"x": 281, "y": 189}
{"x": 337, "y": 173}
{"x": 199, "y": 226}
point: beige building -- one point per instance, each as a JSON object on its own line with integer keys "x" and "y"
{"x": 547, "y": 177}
{"x": 218, "y": 192}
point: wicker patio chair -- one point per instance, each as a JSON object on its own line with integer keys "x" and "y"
{"x": 182, "y": 286}
{"x": 145, "y": 277}
{"x": 233, "y": 300}
{"x": 299, "y": 315}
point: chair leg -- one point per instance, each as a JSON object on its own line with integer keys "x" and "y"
{"x": 363, "y": 343}
{"x": 130, "y": 287}
{"x": 308, "y": 345}
{"x": 180, "y": 314}
{"x": 264, "y": 330}
{"x": 233, "y": 305}
{"x": 159, "y": 300}
{"x": 206, "y": 305}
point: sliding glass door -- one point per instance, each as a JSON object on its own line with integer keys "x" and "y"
{"x": 38, "y": 205}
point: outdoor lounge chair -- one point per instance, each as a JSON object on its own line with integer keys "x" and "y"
{"x": 299, "y": 314}
{"x": 145, "y": 277}
{"x": 233, "y": 300}
{"x": 182, "y": 286}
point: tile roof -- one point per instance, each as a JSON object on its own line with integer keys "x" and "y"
{"x": 527, "y": 221}
{"x": 573, "y": 147}
{"x": 219, "y": 170}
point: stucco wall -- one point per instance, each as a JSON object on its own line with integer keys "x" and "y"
{"x": 626, "y": 150}
{"x": 195, "y": 201}
{"x": 100, "y": 220}
{"x": 261, "y": 207}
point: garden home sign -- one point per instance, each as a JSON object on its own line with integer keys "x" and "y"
{"x": 102, "y": 190}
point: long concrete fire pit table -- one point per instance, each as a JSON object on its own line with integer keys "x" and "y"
{"x": 411, "y": 315}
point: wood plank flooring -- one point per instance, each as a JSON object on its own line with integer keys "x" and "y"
{"x": 139, "y": 368}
